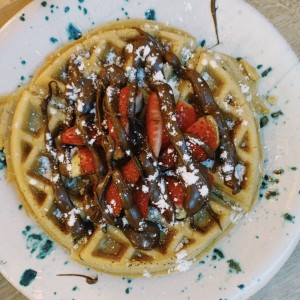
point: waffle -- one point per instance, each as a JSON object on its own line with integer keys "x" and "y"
{"x": 104, "y": 246}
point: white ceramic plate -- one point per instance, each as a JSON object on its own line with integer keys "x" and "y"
{"x": 263, "y": 240}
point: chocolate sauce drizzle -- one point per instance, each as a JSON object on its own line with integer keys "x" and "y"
{"x": 88, "y": 279}
{"x": 97, "y": 102}
{"x": 213, "y": 10}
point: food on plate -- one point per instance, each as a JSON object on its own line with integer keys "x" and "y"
{"x": 134, "y": 148}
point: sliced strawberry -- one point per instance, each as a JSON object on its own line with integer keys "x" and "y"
{"x": 186, "y": 115}
{"x": 168, "y": 157}
{"x": 87, "y": 163}
{"x": 71, "y": 136}
{"x": 113, "y": 199}
{"x": 176, "y": 191}
{"x": 154, "y": 123}
{"x": 206, "y": 129}
{"x": 82, "y": 163}
{"x": 124, "y": 105}
{"x": 130, "y": 172}
{"x": 142, "y": 201}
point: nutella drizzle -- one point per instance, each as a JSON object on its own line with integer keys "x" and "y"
{"x": 97, "y": 102}
{"x": 213, "y": 10}
{"x": 88, "y": 279}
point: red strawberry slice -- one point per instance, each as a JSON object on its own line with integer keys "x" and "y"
{"x": 113, "y": 199}
{"x": 206, "y": 129}
{"x": 130, "y": 172}
{"x": 142, "y": 201}
{"x": 176, "y": 191}
{"x": 87, "y": 162}
{"x": 167, "y": 158}
{"x": 71, "y": 136}
{"x": 124, "y": 105}
{"x": 154, "y": 123}
{"x": 186, "y": 115}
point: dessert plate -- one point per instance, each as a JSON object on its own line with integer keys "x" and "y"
{"x": 244, "y": 261}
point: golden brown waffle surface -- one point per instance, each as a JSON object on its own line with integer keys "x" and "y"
{"x": 106, "y": 248}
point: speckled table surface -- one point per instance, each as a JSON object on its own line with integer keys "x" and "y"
{"x": 285, "y": 16}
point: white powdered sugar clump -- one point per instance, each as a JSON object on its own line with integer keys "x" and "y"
{"x": 236, "y": 214}
{"x": 147, "y": 274}
{"x": 72, "y": 91}
{"x": 72, "y": 216}
{"x": 239, "y": 172}
{"x": 244, "y": 88}
{"x": 182, "y": 263}
{"x": 189, "y": 178}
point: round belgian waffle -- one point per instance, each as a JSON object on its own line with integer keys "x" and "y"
{"x": 233, "y": 84}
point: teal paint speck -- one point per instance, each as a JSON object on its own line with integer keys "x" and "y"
{"x": 259, "y": 66}
{"x": 45, "y": 249}
{"x": 241, "y": 286}
{"x": 38, "y": 244}
{"x": 199, "y": 277}
{"x": 47, "y": 18}
{"x": 288, "y": 217}
{"x": 75, "y": 288}
{"x": 128, "y": 290}
{"x": 266, "y": 72}
{"x": 33, "y": 242}
{"x": 44, "y": 3}
{"x": 217, "y": 254}
{"x": 2, "y": 160}
{"x": 23, "y": 62}
{"x": 294, "y": 168}
{"x": 20, "y": 206}
{"x": 276, "y": 114}
{"x": 74, "y": 32}
{"x": 27, "y": 277}
{"x": 22, "y": 17}
{"x": 66, "y": 9}
{"x": 85, "y": 11}
{"x": 150, "y": 14}
{"x": 202, "y": 43}
{"x": 53, "y": 40}
{"x": 22, "y": 78}
{"x": 80, "y": 1}
{"x": 234, "y": 266}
